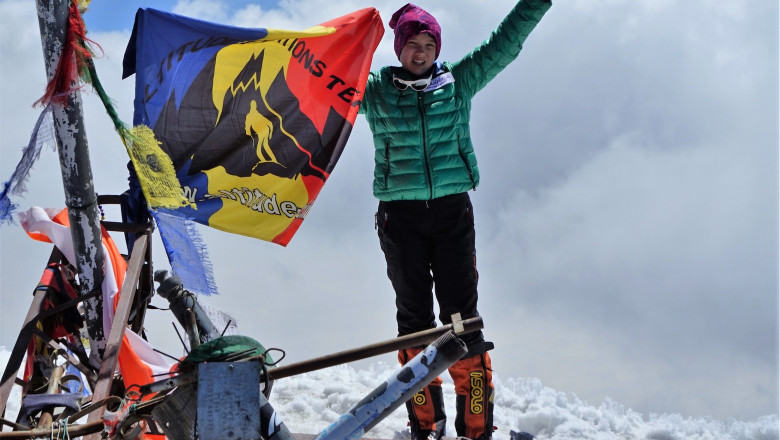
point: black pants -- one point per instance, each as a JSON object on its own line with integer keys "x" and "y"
{"x": 430, "y": 244}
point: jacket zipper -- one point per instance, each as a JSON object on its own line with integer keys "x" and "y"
{"x": 466, "y": 163}
{"x": 387, "y": 161}
{"x": 425, "y": 144}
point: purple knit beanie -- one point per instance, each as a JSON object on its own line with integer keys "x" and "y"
{"x": 411, "y": 20}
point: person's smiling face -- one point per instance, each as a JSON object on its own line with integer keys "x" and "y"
{"x": 418, "y": 54}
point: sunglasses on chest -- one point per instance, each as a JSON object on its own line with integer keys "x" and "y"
{"x": 417, "y": 85}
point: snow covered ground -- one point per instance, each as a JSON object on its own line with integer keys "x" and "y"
{"x": 310, "y": 402}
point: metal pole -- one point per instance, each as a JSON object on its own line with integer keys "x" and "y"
{"x": 399, "y": 343}
{"x": 80, "y": 196}
{"x": 397, "y": 389}
{"x": 343, "y": 357}
{"x": 186, "y": 308}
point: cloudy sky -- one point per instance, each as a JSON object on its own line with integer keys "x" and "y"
{"x": 627, "y": 219}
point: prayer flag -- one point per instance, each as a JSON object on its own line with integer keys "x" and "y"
{"x": 139, "y": 363}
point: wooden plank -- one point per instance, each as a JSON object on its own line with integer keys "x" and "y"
{"x": 114, "y": 342}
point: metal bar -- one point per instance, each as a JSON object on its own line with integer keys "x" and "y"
{"x": 412, "y": 340}
{"x": 57, "y": 345}
{"x": 54, "y": 388}
{"x": 57, "y": 257}
{"x": 114, "y": 343}
{"x": 17, "y": 354}
{"x": 13, "y": 425}
{"x": 146, "y": 288}
{"x": 415, "y": 339}
{"x": 109, "y": 199}
{"x": 185, "y": 307}
{"x": 137, "y": 228}
{"x": 73, "y": 430}
{"x": 80, "y": 197}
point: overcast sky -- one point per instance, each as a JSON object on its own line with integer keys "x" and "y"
{"x": 627, "y": 219}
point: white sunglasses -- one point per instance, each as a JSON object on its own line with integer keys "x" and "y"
{"x": 418, "y": 85}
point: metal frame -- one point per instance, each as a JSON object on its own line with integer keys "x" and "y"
{"x": 130, "y": 313}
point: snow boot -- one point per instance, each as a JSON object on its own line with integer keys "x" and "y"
{"x": 473, "y": 378}
{"x": 427, "y": 419}
{"x": 514, "y": 435}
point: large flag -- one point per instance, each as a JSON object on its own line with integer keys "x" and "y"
{"x": 251, "y": 121}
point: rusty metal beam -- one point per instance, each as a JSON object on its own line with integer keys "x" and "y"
{"x": 17, "y": 354}
{"x": 399, "y": 343}
{"x": 114, "y": 342}
{"x": 58, "y": 346}
{"x": 25, "y": 334}
{"x": 73, "y": 431}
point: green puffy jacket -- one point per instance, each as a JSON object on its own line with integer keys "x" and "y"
{"x": 422, "y": 139}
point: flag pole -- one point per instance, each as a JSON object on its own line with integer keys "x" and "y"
{"x": 80, "y": 195}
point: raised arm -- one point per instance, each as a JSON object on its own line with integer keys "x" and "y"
{"x": 480, "y": 66}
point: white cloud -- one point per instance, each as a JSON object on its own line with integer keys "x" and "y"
{"x": 655, "y": 247}
{"x": 215, "y": 11}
